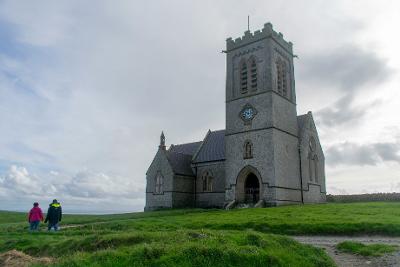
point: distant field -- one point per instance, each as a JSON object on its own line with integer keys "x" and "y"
{"x": 243, "y": 237}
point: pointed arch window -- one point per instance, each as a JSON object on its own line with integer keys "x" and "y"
{"x": 253, "y": 73}
{"x": 159, "y": 184}
{"x": 248, "y": 150}
{"x": 313, "y": 161}
{"x": 243, "y": 77}
{"x": 207, "y": 180}
{"x": 316, "y": 169}
{"x": 281, "y": 79}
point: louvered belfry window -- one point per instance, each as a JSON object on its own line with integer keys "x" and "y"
{"x": 243, "y": 77}
{"x": 253, "y": 74}
{"x": 281, "y": 78}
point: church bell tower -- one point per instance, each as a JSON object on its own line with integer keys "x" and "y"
{"x": 261, "y": 138}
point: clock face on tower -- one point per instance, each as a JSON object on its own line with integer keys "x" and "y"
{"x": 247, "y": 113}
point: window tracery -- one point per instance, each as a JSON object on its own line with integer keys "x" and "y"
{"x": 313, "y": 160}
{"x": 207, "y": 180}
{"x": 159, "y": 183}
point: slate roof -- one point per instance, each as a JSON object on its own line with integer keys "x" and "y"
{"x": 180, "y": 163}
{"x": 188, "y": 149}
{"x": 180, "y": 157}
{"x": 212, "y": 148}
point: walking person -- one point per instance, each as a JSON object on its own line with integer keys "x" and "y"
{"x": 54, "y": 214}
{"x": 35, "y": 216}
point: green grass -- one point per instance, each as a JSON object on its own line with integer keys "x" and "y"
{"x": 243, "y": 237}
{"x": 330, "y": 219}
{"x": 374, "y": 250}
{"x": 186, "y": 248}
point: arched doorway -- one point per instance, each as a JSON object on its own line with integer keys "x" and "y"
{"x": 251, "y": 189}
{"x": 248, "y": 186}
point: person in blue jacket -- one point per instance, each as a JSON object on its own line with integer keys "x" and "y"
{"x": 54, "y": 215}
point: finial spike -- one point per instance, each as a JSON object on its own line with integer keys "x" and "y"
{"x": 248, "y": 22}
{"x": 162, "y": 141}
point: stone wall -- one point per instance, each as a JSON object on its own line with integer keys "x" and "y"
{"x": 216, "y": 198}
{"x": 313, "y": 194}
{"x": 262, "y": 161}
{"x": 159, "y": 201}
{"x": 183, "y": 192}
{"x": 164, "y": 200}
{"x": 314, "y": 190}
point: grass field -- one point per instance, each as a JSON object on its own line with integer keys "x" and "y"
{"x": 243, "y": 237}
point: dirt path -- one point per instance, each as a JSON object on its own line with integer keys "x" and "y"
{"x": 14, "y": 258}
{"x": 349, "y": 260}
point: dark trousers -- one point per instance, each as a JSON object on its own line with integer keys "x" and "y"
{"x": 52, "y": 225}
{"x": 34, "y": 226}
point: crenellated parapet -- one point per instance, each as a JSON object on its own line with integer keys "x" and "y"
{"x": 266, "y": 32}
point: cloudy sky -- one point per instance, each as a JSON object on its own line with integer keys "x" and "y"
{"x": 87, "y": 86}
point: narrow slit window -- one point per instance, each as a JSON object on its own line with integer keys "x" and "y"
{"x": 248, "y": 150}
{"x": 279, "y": 84}
{"x": 313, "y": 161}
{"x": 283, "y": 75}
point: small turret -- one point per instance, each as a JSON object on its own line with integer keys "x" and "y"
{"x": 162, "y": 141}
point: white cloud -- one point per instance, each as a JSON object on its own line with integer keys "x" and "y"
{"x": 347, "y": 153}
{"x": 83, "y": 187}
{"x": 100, "y": 185}
{"x": 20, "y": 181}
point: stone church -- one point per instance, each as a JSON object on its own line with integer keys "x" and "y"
{"x": 266, "y": 156}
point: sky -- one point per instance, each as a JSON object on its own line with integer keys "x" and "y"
{"x": 87, "y": 87}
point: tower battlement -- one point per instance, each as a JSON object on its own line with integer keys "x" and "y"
{"x": 266, "y": 32}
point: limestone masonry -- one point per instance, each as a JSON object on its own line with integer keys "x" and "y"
{"x": 266, "y": 156}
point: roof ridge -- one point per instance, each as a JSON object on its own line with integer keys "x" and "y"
{"x": 187, "y": 143}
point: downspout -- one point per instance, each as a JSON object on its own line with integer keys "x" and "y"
{"x": 195, "y": 188}
{"x": 301, "y": 178}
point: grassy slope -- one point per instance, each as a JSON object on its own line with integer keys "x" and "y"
{"x": 198, "y": 237}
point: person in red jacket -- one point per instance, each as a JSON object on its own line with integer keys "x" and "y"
{"x": 34, "y": 217}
